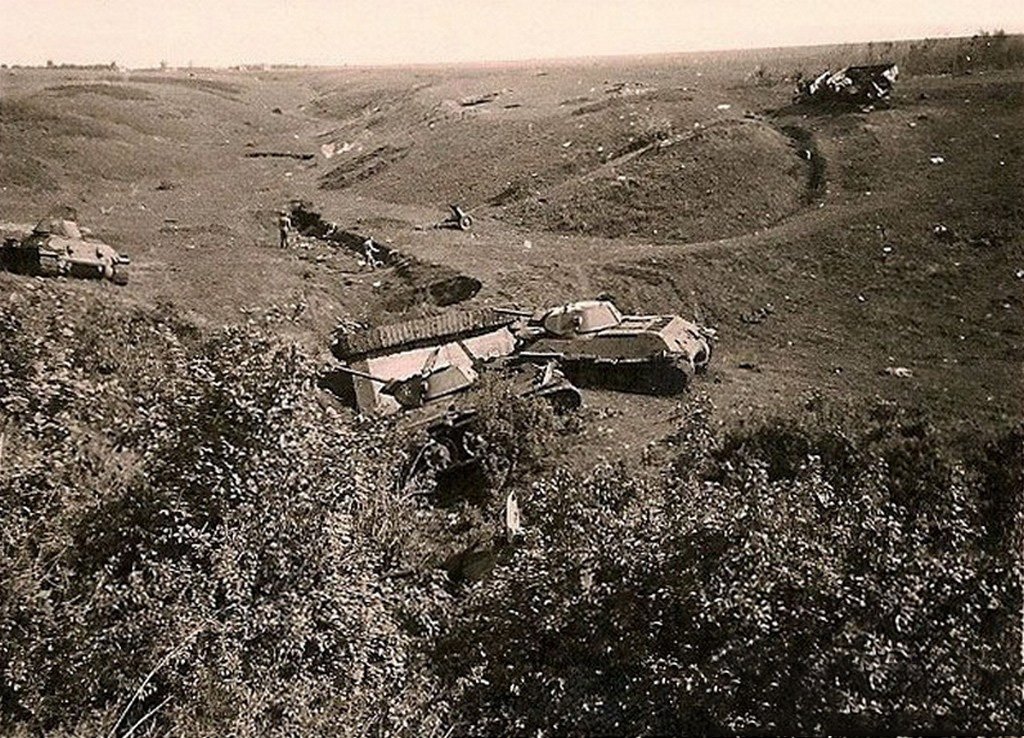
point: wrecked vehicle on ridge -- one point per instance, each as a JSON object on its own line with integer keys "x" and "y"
{"x": 855, "y": 84}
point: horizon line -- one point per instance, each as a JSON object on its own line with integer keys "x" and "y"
{"x": 282, "y": 66}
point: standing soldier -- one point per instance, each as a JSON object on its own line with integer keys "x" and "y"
{"x": 284, "y": 226}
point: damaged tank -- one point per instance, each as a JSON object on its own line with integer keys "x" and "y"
{"x": 434, "y": 383}
{"x": 429, "y": 384}
{"x": 58, "y": 247}
{"x": 407, "y": 365}
{"x": 855, "y": 84}
{"x": 597, "y": 346}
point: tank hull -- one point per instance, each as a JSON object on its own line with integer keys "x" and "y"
{"x": 666, "y": 376}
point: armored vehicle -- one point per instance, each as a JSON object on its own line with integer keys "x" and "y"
{"x": 596, "y": 345}
{"x": 856, "y": 84}
{"x": 58, "y": 247}
{"x": 431, "y": 383}
{"x": 435, "y": 383}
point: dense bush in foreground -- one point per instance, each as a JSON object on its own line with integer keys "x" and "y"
{"x": 193, "y": 544}
{"x": 188, "y": 531}
{"x": 785, "y": 581}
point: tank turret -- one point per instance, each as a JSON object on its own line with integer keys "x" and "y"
{"x": 418, "y": 390}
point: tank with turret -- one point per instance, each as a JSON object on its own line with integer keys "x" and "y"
{"x": 58, "y": 247}
{"x": 595, "y": 345}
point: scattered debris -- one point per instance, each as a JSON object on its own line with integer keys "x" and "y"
{"x": 758, "y": 316}
{"x": 458, "y": 219}
{"x": 943, "y": 233}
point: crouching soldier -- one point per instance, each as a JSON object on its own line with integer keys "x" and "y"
{"x": 370, "y": 252}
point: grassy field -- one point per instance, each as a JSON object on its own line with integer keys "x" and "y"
{"x": 836, "y": 251}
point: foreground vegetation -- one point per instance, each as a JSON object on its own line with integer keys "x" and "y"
{"x": 195, "y": 544}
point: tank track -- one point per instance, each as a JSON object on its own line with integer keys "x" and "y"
{"x": 657, "y": 377}
{"x": 349, "y": 346}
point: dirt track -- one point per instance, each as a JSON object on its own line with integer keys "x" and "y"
{"x": 161, "y": 166}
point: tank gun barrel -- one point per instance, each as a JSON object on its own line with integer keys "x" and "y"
{"x": 363, "y": 375}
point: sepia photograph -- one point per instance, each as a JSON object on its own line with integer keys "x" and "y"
{"x": 438, "y": 368}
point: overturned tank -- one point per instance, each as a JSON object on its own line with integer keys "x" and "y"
{"x": 595, "y": 345}
{"x": 855, "y": 84}
{"x": 411, "y": 364}
{"x": 58, "y": 247}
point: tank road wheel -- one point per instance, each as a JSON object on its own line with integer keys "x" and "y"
{"x": 702, "y": 358}
{"x": 49, "y": 266}
{"x": 432, "y": 458}
{"x": 465, "y": 223}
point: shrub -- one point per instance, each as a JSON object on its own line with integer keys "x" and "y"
{"x": 187, "y": 510}
{"x": 799, "y": 591}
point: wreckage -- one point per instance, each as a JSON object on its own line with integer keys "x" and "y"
{"x": 856, "y": 84}
{"x": 457, "y": 219}
{"x": 419, "y": 366}
{"x": 453, "y": 443}
{"x": 58, "y": 247}
{"x": 407, "y": 364}
{"x": 597, "y": 346}
{"x": 412, "y": 364}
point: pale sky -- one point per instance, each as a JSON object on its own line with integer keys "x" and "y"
{"x": 332, "y": 32}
